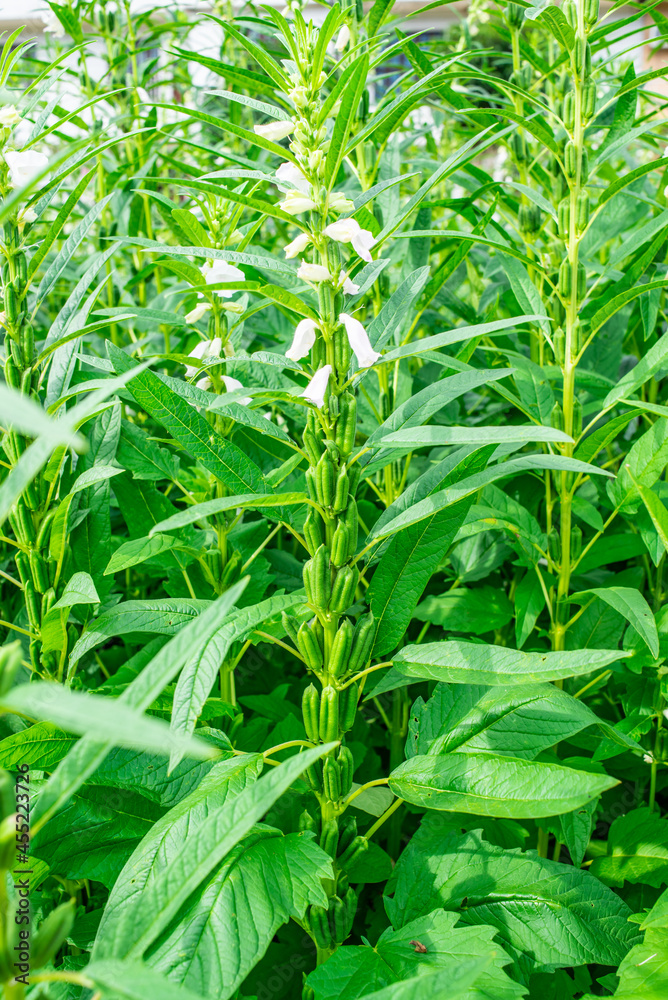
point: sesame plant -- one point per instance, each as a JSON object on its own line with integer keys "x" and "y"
{"x": 333, "y": 515}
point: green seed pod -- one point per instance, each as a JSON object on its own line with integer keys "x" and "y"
{"x": 39, "y": 571}
{"x": 577, "y": 418}
{"x": 342, "y": 883}
{"x": 590, "y": 12}
{"x": 48, "y": 600}
{"x": 341, "y": 491}
{"x": 52, "y": 934}
{"x": 589, "y": 100}
{"x": 343, "y": 589}
{"x": 526, "y": 74}
{"x": 340, "y": 545}
{"x": 577, "y": 338}
{"x": 582, "y": 212}
{"x": 311, "y": 712}
{"x": 557, "y": 417}
{"x": 313, "y": 530}
{"x": 314, "y": 776}
{"x": 342, "y": 352}
{"x": 581, "y": 285}
{"x": 354, "y": 851}
{"x": 518, "y": 146}
{"x": 311, "y": 491}
{"x": 291, "y": 625}
{"x": 346, "y": 425}
{"x": 12, "y": 374}
{"x": 23, "y": 566}
{"x": 348, "y": 706}
{"x": 331, "y": 781}
{"x": 325, "y": 480}
{"x": 339, "y": 655}
{"x": 329, "y": 714}
{"x": 559, "y": 341}
{"x": 354, "y": 476}
{"x": 570, "y": 161}
{"x": 11, "y": 304}
{"x": 576, "y": 542}
{"x": 214, "y": 562}
{"x": 338, "y": 920}
{"x": 329, "y": 837}
{"x": 584, "y": 166}
{"x": 42, "y": 541}
{"x": 344, "y": 759}
{"x": 563, "y": 217}
{"x": 333, "y": 411}
{"x": 28, "y": 343}
{"x": 351, "y": 523}
{"x": 33, "y": 605}
{"x": 365, "y": 632}
{"x": 514, "y": 16}
{"x": 311, "y": 445}
{"x": 31, "y": 496}
{"x": 565, "y": 279}
{"x": 568, "y": 113}
{"x": 582, "y": 58}
{"x": 318, "y": 920}
{"x": 571, "y": 12}
{"x": 16, "y": 353}
{"x": 529, "y": 219}
{"x": 317, "y": 579}
{"x": 384, "y": 407}
{"x": 308, "y": 823}
{"x": 347, "y": 831}
{"x": 309, "y": 648}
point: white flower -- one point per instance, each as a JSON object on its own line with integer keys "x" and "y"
{"x": 24, "y": 166}
{"x": 359, "y": 341}
{"x": 274, "y": 130}
{"x": 288, "y": 173}
{"x": 295, "y": 203}
{"x": 52, "y": 25}
{"x": 303, "y": 340}
{"x": 215, "y": 271}
{"x": 348, "y": 287}
{"x": 203, "y": 383}
{"x": 233, "y": 383}
{"x": 342, "y": 39}
{"x": 297, "y": 246}
{"x": 196, "y": 314}
{"x": 315, "y": 390}
{"x": 3, "y": 318}
{"x": 313, "y": 272}
{"x": 205, "y": 349}
{"x": 9, "y": 116}
{"x": 648, "y": 758}
{"x": 339, "y": 203}
{"x": 26, "y": 216}
{"x": 350, "y": 231}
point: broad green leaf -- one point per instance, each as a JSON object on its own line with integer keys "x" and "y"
{"x": 88, "y": 714}
{"x": 355, "y": 970}
{"x": 460, "y": 662}
{"x": 656, "y": 510}
{"x": 436, "y": 437}
{"x": 489, "y": 785}
{"x": 632, "y": 605}
{"x": 555, "y": 20}
{"x": 137, "y": 551}
{"x": 643, "y": 465}
{"x": 637, "y": 850}
{"x": 475, "y": 610}
{"x": 80, "y": 589}
{"x": 150, "y": 914}
{"x": 653, "y": 360}
{"x": 547, "y": 915}
{"x": 123, "y": 980}
{"x": 643, "y": 973}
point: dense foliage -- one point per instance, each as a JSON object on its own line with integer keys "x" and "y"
{"x": 333, "y": 505}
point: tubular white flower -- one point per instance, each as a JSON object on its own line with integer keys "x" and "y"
{"x": 303, "y": 340}
{"x": 313, "y": 272}
{"x": 219, "y": 270}
{"x": 196, "y": 314}
{"x": 315, "y": 390}
{"x": 288, "y": 173}
{"x": 295, "y": 203}
{"x": 274, "y": 130}
{"x": 348, "y": 287}
{"x": 339, "y": 203}
{"x": 9, "y": 116}
{"x": 52, "y": 25}
{"x": 203, "y": 383}
{"x": 205, "y": 349}
{"x": 350, "y": 231}
{"x": 24, "y": 166}
{"x": 342, "y": 39}
{"x": 232, "y": 384}
{"x": 297, "y": 246}
{"x": 359, "y": 341}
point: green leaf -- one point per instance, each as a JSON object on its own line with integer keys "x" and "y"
{"x": 637, "y": 850}
{"x": 555, "y": 20}
{"x": 222, "y": 458}
{"x": 459, "y": 662}
{"x": 479, "y": 610}
{"x": 80, "y": 589}
{"x": 437, "y": 437}
{"x": 349, "y": 102}
{"x": 355, "y": 970}
{"x": 200, "y": 511}
{"x": 632, "y": 605}
{"x": 137, "y": 551}
{"x": 490, "y": 785}
{"x": 547, "y": 915}
{"x": 643, "y": 466}
{"x": 123, "y": 980}
{"x": 142, "y": 921}
{"x": 83, "y": 713}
